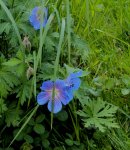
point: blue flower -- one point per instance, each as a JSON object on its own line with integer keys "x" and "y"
{"x": 36, "y": 16}
{"x": 55, "y": 94}
{"x": 73, "y": 81}
{"x": 59, "y": 92}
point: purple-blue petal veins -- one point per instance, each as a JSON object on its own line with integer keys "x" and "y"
{"x": 76, "y": 74}
{"x": 35, "y": 17}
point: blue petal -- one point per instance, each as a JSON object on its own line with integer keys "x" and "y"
{"x": 47, "y": 85}
{"x": 70, "y": 95}
{"x": 65, "y": 96}
{"x": 33, "y": 18}
{"x": 60, "y": 84}
{"x": 36, "y": 25}
{"x": 42, "y": 98}
{"x": 76, "y": 83}
{"x": 54, "y": 106}
{"x": 34, "y": 11}
{"x": 34, "y": 22}
{"x": 76, "y": 74}
{"x": 73, "y": 82}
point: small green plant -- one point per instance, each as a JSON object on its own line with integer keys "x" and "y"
{"x": 98, "y": 114}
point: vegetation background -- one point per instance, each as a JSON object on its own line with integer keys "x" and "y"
{"x": 92, "y": 35}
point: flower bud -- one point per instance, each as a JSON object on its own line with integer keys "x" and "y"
{"x": 30, "y": 71}
{"x": 27, "y": 43}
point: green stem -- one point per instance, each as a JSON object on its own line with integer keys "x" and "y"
{"x": 59, "y": 3}
{"x": 59, "y": 48}
{"x": 68, "y": 29}
{"x": 74, "y": 125}
{"x": 12, "y": 4}
{"x": 57, "y": 63}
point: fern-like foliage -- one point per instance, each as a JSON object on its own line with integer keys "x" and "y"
{"x": 81, "y": 46}
{"x": 51, "y": 41}
{"x": 98, "y": 114}
{"x": 12, "y": 115}
{"x": 7, "y": 80}
{"x": 24, "y": 91}
{"x": 20, "y": 12}
{"x": 3, "y": 107}
{"x": 16, "y": 64}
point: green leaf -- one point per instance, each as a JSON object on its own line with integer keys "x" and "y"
{"x": 7, "y": 80}
{"x": 81, "y": 45}
{"x": 25, "y": 123}
{"x": 45, "y": 135}
{"x": 39, "y": 129}
{"x": 21, "y": 135}
{"x": 126, "y": 80}
{"x": 58, "y": 148}
{"x": 31, "y": 122}
{"x": 40, "y": 118}
{"x": 99, "y": 114}
{"x": 24, "y": 91}
{"x": 3, "y": 106}
{"x": 125, "y": 91}
{"x": 45, "y": 143}
{"x": 46, "y": 72}
{"x": 76, "y": 143}
{"x": 110, "y": 83}
{"x": 16, "y": 64}
{"x": 5, "y": 27}
{"x": 28, "y": 139}
{"x": 3, "y": 15}
{"x": 69, "y": 142}
{"x": 13, "y": 62}
{"x": 94, "y": 91}
{"x": 12, "y": 20}
{"x": 62, "y": 115}
{"x": 50, "y": 42}
{"x": 70, "y": 69}
{"x": 12, "y": 116}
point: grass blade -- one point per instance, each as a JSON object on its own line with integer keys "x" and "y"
{"x": 12, "y": 20}
{"x": 26, "y": 122}
{"x": 68, "y": 29}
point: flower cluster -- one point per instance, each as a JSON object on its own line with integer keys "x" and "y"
{"x": 35, "y": 17}
{"x": 59, "y": 92}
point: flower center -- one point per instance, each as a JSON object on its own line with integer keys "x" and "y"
{"x": 39, "y": 13}
{"x": 56, "y": 93}
{"x": 71, "y": 85}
